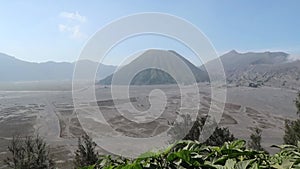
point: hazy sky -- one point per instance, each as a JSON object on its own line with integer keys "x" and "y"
{"x": 57, "y": 30}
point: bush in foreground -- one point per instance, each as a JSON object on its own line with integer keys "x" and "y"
{"x": 192, "y": 155}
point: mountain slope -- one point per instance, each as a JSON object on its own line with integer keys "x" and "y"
{"x": 280, "y": 75}
{"x": 265, "y": 68}
{"x": 12, "y": 69}
{"x": 151, "y": 59}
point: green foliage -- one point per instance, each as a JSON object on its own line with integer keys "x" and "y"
{"x": 288, "y": 157}
{"x": 292, "y": 132}
{"x": 297, "y": 103}
{"x": 192, "y": 155}
{"x": 196, "y": 126}
{"x": 218, "y": 138}
{"x": 29, "y": 153}
{"x": 85, "y": 154}
{"x": 292, "y": 128}
{"x": 255, "y": 140}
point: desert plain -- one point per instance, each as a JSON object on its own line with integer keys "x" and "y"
{"x": 51, "y": 114}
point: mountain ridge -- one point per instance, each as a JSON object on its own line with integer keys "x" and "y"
{"x": 13, "y": 69}
{"x": 154, "y": 59}
{"x": 262, "y": 68}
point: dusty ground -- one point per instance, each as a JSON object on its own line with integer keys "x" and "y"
{"x": 52, "y": 115}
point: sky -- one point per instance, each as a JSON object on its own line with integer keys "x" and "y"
{"x": 40, "y": 31}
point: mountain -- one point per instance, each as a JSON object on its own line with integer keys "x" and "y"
{"x": 151, "y": 59}
{"x": 13, "y": 69}
{"x": 261, "y": 68}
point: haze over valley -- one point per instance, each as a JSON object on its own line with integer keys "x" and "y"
{"x": 273, "y": 69}
{"x": 149, "y": 84}
{"x": 51, "y": 113}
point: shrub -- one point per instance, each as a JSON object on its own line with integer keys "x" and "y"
{"x": 292, "y": 132}
{"x": 29, "y": 153}
{"x": 297, "y": 103}
{"x": 85, "y": 154}
{"x": 292, "y": 128}
{"x": 194, "y": 155}
{"x": 255, "y": 140}
{"x": 219, "y": 136}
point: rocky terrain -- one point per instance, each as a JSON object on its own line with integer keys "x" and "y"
{"x": 273, "y": 69}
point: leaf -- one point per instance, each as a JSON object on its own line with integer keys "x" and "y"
{"x": 254, "y": 166}
{"x": 148, "y": 154}
{"x": 230, "y": 163}
{"x": 184, "y": 155}
{"x": 238, "y": 144}
{"x": 221, "y": 160}
{"x": 298, "y": 144}
{"x": 243, "y": 164}
{"x": 286, "y": 164}
{"x": 133, "y": 166}
{"x": 285, "y": 146}
{"x": 220, "y": 167}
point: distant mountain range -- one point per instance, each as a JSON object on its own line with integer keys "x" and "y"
{"x": 143, "y": 70}
{"x": 261, "y": 68}
{"x": 13, "y": 69}
{"x": 264, "y": 68}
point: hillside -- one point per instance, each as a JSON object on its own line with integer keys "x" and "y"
{"x": 265, "y": 68}
{"x": 13, "y": 69}
{"x": 150, "y": 59}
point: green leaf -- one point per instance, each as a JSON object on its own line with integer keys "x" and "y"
{"x": 184, "y": 155}
{"x": 254, "y": 165}
{"x": 148, "y": 154}
{"x": 133, "y": 166}
{"x": 230, "y": 163}
{"x": 243, "y": 164}
{"x": 286, "y": 164}
{"x": 238, "y": 144}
